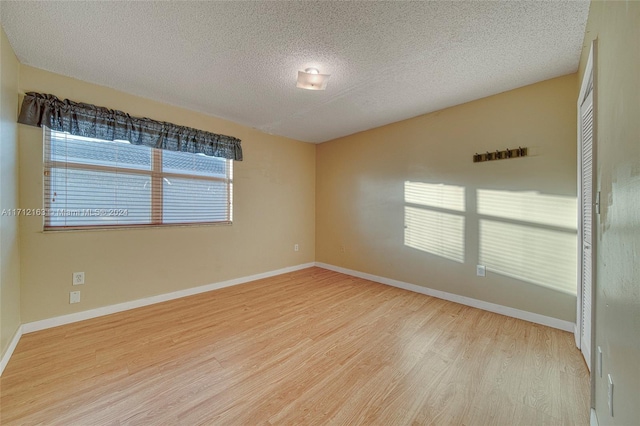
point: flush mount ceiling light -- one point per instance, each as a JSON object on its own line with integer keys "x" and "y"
{"x": 311, "y": 79}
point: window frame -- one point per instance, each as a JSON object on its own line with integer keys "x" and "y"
{"x": 156, "y": 174}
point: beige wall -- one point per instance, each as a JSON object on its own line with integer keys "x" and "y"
{"x": 616, "y": 25}
{"x": 274, "y": 208}
{"x": 9, "y": 245}
{"x": 405, "y": 201}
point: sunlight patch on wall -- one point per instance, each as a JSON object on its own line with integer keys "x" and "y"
{"x": 541, "y": 256}
{"x": 438, "y": 195}
{"x": 432, "y": 221}
{"x": 554, "y": 210}
{"x": 437, "y": 233}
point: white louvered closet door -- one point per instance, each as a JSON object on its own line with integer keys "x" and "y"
{"x": 586, "y": 211}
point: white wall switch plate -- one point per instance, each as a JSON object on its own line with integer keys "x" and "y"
{"x": 610, "y": 394}
{"x": 481, "y": 271}
{"x": 599, "y": 361}
{"x": 78, "y": 278}
{"x": 74, "y": 297}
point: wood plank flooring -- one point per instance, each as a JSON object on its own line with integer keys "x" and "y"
{"x": 308, "y": 347}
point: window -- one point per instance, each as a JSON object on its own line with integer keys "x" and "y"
{"x": 93, "y": 183}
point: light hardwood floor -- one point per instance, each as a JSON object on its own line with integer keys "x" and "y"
{"x": 308, "y": 347}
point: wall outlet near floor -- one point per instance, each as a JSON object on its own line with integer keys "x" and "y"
{"x": 74, "y": 297}
{"x": 78, "y": 278}
{"x": 342, "y": 249}
{"x": 481, "y": 271}
{"x": 296, "y": 247}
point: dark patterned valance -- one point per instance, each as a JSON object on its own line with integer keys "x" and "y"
{"x": 102, "y": 123}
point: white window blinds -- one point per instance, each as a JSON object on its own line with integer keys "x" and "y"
{"x": 92, "y": 183}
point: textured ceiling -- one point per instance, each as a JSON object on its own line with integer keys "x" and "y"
{"x": 239, "y": 60}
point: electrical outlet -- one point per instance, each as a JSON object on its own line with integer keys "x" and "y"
{"x": 481, "y": 271}
{"x": 296, "y": 247}
{"x": 74, "y": 297}
{"x": 599, "y": 362}
{"x": 610, "y": 395}
{"x": 342, "y": 249}
{"x": 78, "y": 278}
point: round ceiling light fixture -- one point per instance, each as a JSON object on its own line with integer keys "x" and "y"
{"x": 311, "y": 79}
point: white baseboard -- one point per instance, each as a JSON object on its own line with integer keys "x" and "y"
{"x": 463, "y": 300}
{"x": 12, "y": 347}
{"x": 30, "y": 327}
{"x": 594, "y": 419}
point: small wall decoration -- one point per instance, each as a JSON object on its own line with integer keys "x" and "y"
{"x": 500, "y": 155}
